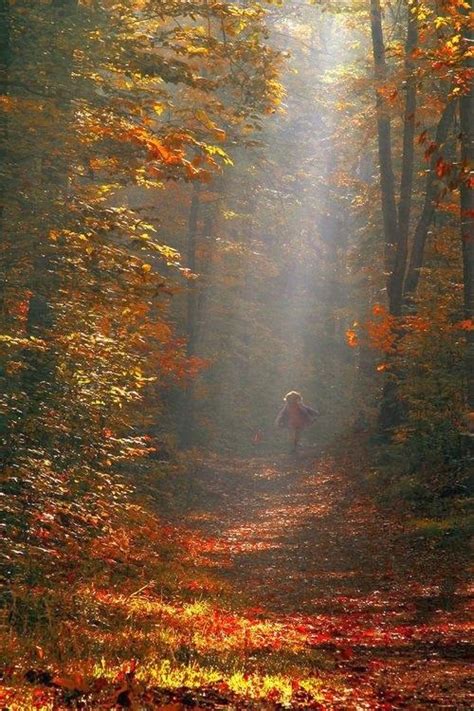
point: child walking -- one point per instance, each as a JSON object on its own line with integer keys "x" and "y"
{"x": 295, "y": 416}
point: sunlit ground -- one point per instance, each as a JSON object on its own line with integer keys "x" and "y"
{"x": 295, "y": 592}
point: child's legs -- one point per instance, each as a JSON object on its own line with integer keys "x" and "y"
{"x": 295, "y": 436}
{"x": 298, "y": 436}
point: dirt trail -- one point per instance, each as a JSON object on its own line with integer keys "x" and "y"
{"x": 301, "y": 535}
{"x": 298, "y": 538}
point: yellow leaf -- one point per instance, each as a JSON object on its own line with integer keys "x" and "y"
{"x": 204, "y": 118}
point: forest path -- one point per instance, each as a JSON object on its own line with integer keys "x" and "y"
{"x": 298, "y": 533}
{"x": 297, "y": 536}
{"x": 299, "y": 542}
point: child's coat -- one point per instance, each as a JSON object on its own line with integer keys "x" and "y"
{"x": 295, "y": 416}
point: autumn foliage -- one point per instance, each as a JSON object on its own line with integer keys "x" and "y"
{"x": 203, "y": 205}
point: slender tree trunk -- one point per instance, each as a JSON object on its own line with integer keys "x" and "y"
{"x": 204, "y": 272}
{"x": 45, "y": 270}
{"x": 388, "y": 412}
{"x": 39, "y": 378}
{"x": 191, "y": 326}
{"x": 428, "y": 209}
{"x": 5, "y": 58}
{"x": 191, "y": 264}
{"x": 397, "y": 277}
{"x": 467, "y": 215}
{"x": 387, "y": 180}
{"x": 396, "y": 222}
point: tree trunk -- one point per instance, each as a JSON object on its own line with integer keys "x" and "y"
{"x": 387, "y": 180}
{"x": 467, "y": 215}
{"x": 191, "y": 326}
{"x": 39, "y": 377}
{"x": 5, "y": 58}
{"x": 396, "y": 223}
{"x": 191, "y": 264}
{"x": 204, "y": 271}
{"x": 45, "y": 265}
{"x": 397, "y": 277}
{"x": 421, "y": 230}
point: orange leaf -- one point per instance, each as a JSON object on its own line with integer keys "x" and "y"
{"x": 466, "y": 325}
{"x": 159, "y": 151}
{"x": 352, "y": 338}
{"x": 378, "y": 310}
{"x": 75, "y": 682}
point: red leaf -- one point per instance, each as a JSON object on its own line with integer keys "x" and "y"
{"x": 442, "y": 168}
{"x": 422, "y": 137}
{"x": 431, "y": 149}
{"x": 347, "y": 653}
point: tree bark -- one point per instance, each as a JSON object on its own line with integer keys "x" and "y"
{"x": 397, "y": 277}
{"x": 424, "y": 221}
{"x": 191, "y": 326}
{"x": 45, "y": 267}
{"x": 5, "y": 58}
{"x": 395, "y": 222}
{"x": 467, "y": 214}
{"x": 191, "y": 264}
{"x": 39, "y": 378}
{"x": 387, "y": 180}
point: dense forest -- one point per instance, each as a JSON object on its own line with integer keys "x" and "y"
{"x": 204, "y": 205}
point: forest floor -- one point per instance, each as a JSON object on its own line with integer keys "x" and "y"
{"x": 380, "y": 606}
{"x": 285, "y": 587}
